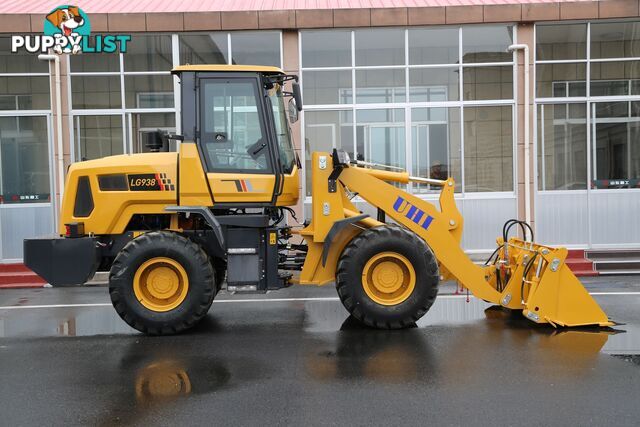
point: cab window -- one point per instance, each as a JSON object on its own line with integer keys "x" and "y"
{"x": 232, "y": 132}
{"x": 285, "y": 146}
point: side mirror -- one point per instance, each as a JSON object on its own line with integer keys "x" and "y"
{"x": 297, "y": 95}
{"x": 293, "y": 111}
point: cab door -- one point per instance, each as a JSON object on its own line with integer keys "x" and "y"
{"x": 235, "y": 140}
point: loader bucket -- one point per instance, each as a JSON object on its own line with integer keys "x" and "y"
{"x": 557, "y": 296}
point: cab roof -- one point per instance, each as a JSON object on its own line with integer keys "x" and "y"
{"x": 227, "y": 69}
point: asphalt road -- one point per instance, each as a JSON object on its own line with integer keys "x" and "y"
{"x": 293, "y": 357}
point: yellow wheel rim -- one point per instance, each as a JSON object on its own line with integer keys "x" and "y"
{"x": 388, "y": 278}
{"x": 161, "y": 284}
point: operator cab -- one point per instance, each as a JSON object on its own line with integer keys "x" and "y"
{"x": 237, "y": 117}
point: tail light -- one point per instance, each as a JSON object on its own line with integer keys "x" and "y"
{"x": 74, "y": 229}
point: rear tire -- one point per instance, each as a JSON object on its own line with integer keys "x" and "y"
{"x": 162, "y": 283}
{"x": 387, "y": 277}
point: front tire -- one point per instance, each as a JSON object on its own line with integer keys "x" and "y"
{"x": 162, "y": 283}
{"x": 387, "y": 277}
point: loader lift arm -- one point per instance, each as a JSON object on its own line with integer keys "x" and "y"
{"x": 539, "y": 282}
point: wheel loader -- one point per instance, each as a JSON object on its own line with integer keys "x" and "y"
{"x": 172, "y": 227}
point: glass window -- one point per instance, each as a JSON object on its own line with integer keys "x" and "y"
{"x": 327, "y": 87}
{"x": 211, "y": 48}
{"x": 433, "y": 72}
{"x": 380, "y": 136}
{"x": 615, "y": 146}
{"x": 24, "y": 93}
{"x": 24, "y": 160}
{"x": 285, "y": 146}
{"x": 380, "y": 86}
{"x": 326, "y": 48}
{"x": 379, "y": 46}
{"x": 20, "y": 62}
{"x": 97, "y": 136}
{"x": 256, "y": 48}
{"x": 324, "y": 131}
{"x": 141, "y": 123}
{"x": 149, "y": 53}
{"x": 95, "y": 92}
{"x": 154, "y": 91}
{"x": 433, "y": 84}
{"x": 615, "y": 78}
{"x": 560, "y": 80}
{"x": 561, "y": 41}
{"x": 482, "y": 83}
{"x": 486, "y": 43}
{"x": 433, "y": 46}
{"x": 232, "y": 131}
{"x": 562, "y": 145}
{"x": 488, "y": 149}
{"x": 435, "y": 145}
{"x": 95, "y": 62}
{"x": 615, "y": 40}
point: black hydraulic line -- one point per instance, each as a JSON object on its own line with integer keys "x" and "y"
{"x": 292, "y": 213}
{"x": 487, "y": 262}
{"x": 510, "y": 223}
{"x": 524, "y": 233}
{"x": 504, "y": 228}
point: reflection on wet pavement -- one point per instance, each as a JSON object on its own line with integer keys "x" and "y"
{"x": 259, "y": 356}
{"x": 156, "y": 379}
{"x": 318, "y": 317}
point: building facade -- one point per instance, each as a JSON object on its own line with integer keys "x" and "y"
{"x": 437, "y": 90}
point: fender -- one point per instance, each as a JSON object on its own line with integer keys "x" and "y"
{"x": 208, "y": 217}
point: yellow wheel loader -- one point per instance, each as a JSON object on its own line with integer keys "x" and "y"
{"x": 171, "y": 226}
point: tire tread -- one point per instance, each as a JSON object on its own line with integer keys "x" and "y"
{"x": 350, "y": 254}
{"x": 166, "y": 239}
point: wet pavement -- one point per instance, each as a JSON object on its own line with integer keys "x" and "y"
{"x": 294, "y": 357}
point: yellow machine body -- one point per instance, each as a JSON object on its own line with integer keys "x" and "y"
{"x": 114, "y": 208}
{"x": 190, "y": 186}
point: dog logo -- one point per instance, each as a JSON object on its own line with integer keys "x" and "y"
{"x": 68, "y": 24}
{"x": 67, "y": 30}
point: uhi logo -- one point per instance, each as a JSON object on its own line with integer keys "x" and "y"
{"x": 413, "y": 213}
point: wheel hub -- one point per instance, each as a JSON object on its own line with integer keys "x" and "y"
{"x": 161, "y": 284}
{"x": 388, "y": 278}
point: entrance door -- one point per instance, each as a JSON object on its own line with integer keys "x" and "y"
{"x": 235, "y": 141}
{"x": 614, "y": 194}
{"x": 26, "y": 208}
